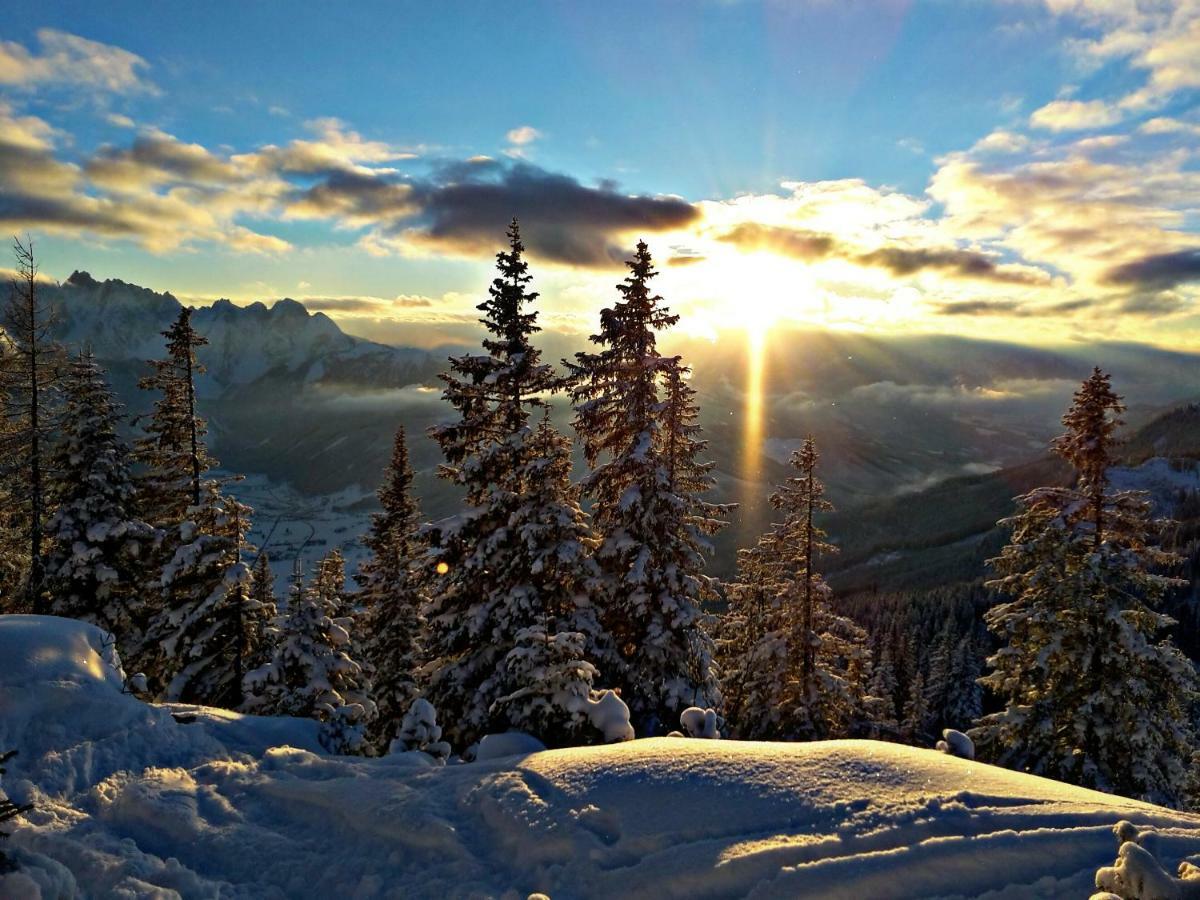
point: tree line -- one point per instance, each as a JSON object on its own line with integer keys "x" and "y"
{"x": 545, "y": 598}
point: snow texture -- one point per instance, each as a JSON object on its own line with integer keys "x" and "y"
{"x": 137, "y": 800}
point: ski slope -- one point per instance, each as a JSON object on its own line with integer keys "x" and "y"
{"x": 133, "y": 803}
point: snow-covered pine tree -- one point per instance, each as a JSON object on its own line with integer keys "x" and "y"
{"x": 881, "y": 692}
{"x": 1094, "y": 695}
{"x": 172, "y": 450}
{"x": 485, "y": 592}
{"x": 30, "y": 373}
{"x": 98, "y": 545}
{"x": 545, "y": 680}
{"x": 212, "y": 630}
{"x": 172, "y": 458}
{"x": 310, "y": 674}
{"x": 915, "y": 719}
{"x": 329, "y": 583}
{"x": 392, "y": 589}
{"x": 807, "y": 672}
{"x": 652, "y": 527}
{"x": 263, "y": 593}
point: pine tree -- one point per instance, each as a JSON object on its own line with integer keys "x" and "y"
{"x": 99, "y": 546}
{"x": 392, "y": 589}
{"x": 485, "y": 593}
{"x": 916, "y": 711}
{"x": 1094, "y": 696}
{"x": 204, "y": 629}
{"x": 643, "y": 484}
{"x": 172, "y": 450}
{"x": 882, "y": 691}
{"x": 545, "y": 680}
{"x": 212, "y": 630}
{"x": 30, "y": 373}
{"x": 311, "y": 674}
{"x": 806, "y": 673}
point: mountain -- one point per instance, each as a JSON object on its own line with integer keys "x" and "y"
{"x": 906, "y": 424}
{"x": 276, "y": 381}
{"x": 124, "y": 323}
{"x": 945, "y": 533}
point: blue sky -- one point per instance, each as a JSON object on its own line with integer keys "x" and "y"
{"x": 1021, "y": 166}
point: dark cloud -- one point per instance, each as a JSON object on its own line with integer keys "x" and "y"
{"x": 1152, "y": 303}
{"x": 1014, "y": 308}
{"x": 561, "y": 219}
{"x": 978, "y": 308}
{"x": 955, "y": 262}
{"x": 465, "y": 206}
{"x": 355, "y": 196}
{"x": 1158, "y": 272}
{"x": 797, "y": 243}
{"x": 812, "y": 245}
{"x": 154, "y": 157}
{"x": 685, "y": 259}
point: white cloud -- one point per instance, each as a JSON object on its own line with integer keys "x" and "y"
{"x": 1075, "y": 115}
{"x": 525, "y": 134}
{"x": 69, "y": 60}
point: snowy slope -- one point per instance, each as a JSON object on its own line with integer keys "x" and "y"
{"x": 133, "y": 803}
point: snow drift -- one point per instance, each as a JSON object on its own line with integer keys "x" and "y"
{"x": 137, "y": 800}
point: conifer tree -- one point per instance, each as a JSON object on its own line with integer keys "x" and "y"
{"x": 311, "y": 674}
{"x": 1094, "y": 695}
{"x": 882, "y": 692}
{"x": 30, "y": 373}
{"x": 652, "y": 526}
{"x": 485, "y": 593}
{"x": 212, "y": 631}
{"x": 916, "y": 710}
{"x": 544, "y": 681}
{"x": 99, "y": 546}
{"x": 172, "y": 450}
{"x": 807, "y": 669}
{"x": 392, "y": 589}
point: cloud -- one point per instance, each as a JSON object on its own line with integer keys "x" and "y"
{"x": 1007, "y": 307}
{"x": 797, "y": 243}
{"x": 954, "y": 262}
{"x": 1161, "y": 39}
{"x": 899, "y": 260}
{"x": 521, "y": 141}
{"x": 354, "y": 199}
{"x": 526, "y": 134}
{"x": 1166, "y": 125}
{"x": 119, "y": 121}
{"x": 1075, "y": 115}
{"x": 1159, "y": 271}
{"x": 375, "y": 306}
{"x": 334, "y": 148}
{"x": 562, "y": 220}
{"x": 38, "y": 190}
{"x": 1064, "y": 209}
{"x": 69, "y": 60}
{"x": 156, "y": 157}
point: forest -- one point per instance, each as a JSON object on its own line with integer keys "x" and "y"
{"x": 574, "y": 606}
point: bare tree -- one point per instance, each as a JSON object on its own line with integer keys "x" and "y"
{"x": 30, "y": 372}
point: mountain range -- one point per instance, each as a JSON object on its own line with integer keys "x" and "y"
{"x": 947, "y": 426}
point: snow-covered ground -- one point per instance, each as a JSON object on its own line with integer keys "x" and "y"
{"x": 133, "y": 803}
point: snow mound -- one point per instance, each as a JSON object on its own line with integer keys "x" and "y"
{"x": 509, "y": 743}
{"x": 135, "y": 800}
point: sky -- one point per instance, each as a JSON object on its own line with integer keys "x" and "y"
{"x": 1017, "y": 169}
